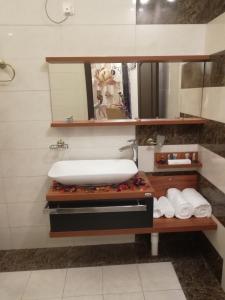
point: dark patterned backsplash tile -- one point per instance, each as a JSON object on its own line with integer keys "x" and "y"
{"x": 192, "y": 75}
{"x": 215, "y": 71}
{"x": 212, "y": 137}
{"x": 212, "y": 257}
{"x": 179, "y": 11}
{"x": 214, "y": 196}
{"x": 175, "y": 134}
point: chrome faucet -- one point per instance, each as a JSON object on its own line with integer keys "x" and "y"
{"x": 134, "y": 147}
{"x": 60, "y": 145}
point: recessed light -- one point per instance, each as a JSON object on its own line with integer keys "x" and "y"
{"x": 171, "y": 0}
{"x": 144, "y": 1}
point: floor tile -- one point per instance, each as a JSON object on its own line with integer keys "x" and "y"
{"x": 158, "y": 277}
{"x": 12, "y": 285}
{"x": 94, "y": 297}
{"x": 45, "y": 284}
{"x": 41, "y": 298}
{"x": 121, "y": 279}
{"x": 128, "y": 296}
{"x": 165, "y": 295}
{"x": 83, "y": 281}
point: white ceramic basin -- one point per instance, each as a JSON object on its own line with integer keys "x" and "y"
{"x": 93, "y": 172}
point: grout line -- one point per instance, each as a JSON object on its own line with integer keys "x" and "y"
{"x": 23, "y": 91}
{"x": 65, "y": 282}
{"x": 79, "y": 25}
{"x": 26, "y": 284}
{"x": 139, "y": 276}
{"x": 123, "y": 293}
{"x": 26, "y": 120}
{"x": 102, "y": 288}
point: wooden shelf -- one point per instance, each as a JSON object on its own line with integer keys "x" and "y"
{"x": 55, "y": 195}
{"x": 162, "y": 156}
{"x": 159, "y": 225}
{"x": 166, "y": 166}
{"x": 130, "y": 122}
{"x": 117, "y": 59}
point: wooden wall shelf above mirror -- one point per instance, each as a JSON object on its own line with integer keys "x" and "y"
{"x": 137, "y": 122}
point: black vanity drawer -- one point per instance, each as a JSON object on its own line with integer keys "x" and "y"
{"x": 100, "y": 215}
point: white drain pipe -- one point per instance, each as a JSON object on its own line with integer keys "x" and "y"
{"x": 155, "y": 243}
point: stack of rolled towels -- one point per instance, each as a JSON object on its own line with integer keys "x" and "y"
{"x": 182, "y": 205}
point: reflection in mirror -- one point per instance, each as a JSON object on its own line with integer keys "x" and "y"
{"x": 191, "y": 93}
{"x": 169, "y": 90}
{"x": 111, "y": 93}
{"x": 101, "y": 91}
{"x": 68, "y": 91}
{"x": 106, "y": 91}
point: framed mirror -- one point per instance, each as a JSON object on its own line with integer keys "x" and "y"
{"x": 170, "y": 89}
{"x": 82, "y": 91}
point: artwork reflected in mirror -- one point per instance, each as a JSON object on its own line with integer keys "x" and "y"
{"x": 111, "y": 91}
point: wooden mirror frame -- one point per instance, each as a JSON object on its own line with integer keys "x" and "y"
{"x": 135, "y": 122}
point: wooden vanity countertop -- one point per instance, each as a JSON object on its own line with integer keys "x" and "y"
{"x": 128, "y": 190}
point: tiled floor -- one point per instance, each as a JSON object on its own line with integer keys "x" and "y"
{"x": 148, "y": 281}
{"x": 198, "y": 268}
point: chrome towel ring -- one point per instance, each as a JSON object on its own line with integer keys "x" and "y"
{"x": 12, "y": 72}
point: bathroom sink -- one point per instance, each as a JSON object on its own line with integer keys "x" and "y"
{"x": 93, "y": 172}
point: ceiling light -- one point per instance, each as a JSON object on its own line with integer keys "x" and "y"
{"x": 144, "y": 1}
{"x": 171, "y": 0}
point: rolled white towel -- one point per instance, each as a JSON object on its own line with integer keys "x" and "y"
{"x": 202, "y": 208}
{"x": 183, "y": 209}
{"x": 156, "y": 210}
{"x": 166, "y": 208}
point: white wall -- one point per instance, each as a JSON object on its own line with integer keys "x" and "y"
{"x": 215, "y": 41}
{"x": 99, "y": 27}
{"x": 213, "y": 105}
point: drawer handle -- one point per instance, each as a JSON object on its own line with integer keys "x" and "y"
{"x": 93, "y": 210}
